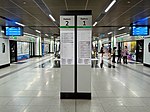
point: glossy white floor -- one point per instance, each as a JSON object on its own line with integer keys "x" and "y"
{"x": 36, "y": 89}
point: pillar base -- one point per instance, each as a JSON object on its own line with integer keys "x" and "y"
{"x": 75, "y": 96}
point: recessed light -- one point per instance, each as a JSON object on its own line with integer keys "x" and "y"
{"x": 24, "y": 2}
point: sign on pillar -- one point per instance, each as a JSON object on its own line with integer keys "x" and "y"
{"x": 75, "y": 36}
{"x": 84, "y": 34}
{"x": 67, "y": 54}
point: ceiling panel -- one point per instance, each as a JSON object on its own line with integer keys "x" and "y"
{"x": 55, "y": 7}
{"x": 76, "y": 4}
{"x": 97, "y": 7}
{"x": 7, "y": 3}
{"x": 28, "y": 12}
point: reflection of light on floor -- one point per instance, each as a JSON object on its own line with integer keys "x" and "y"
{"x": 33, "y": 81}
{"x": 19, "y": 93}
{"x": 25, "y": 110}
{"x": 39, "y": 94}
{"x": 38, "y": 77}
{"x": 52, "y": 76}
{"x": 47, "y": 83}
{"x": 133, "y": 92}
{"x": 108, "y": 86}
{"x": 120, "y": 102}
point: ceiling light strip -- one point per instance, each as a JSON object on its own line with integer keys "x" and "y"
{"x": 121, "y": 34}
{"x": 26, "y": 11}
{"x": 53, "y": 19}
{"x": 121, "y": 28}
{"x": 110, "y": 5}
{"x": 46, "y": 35}
{"x": 124, "y": 12}
{"x": 20, "y": 24}
{"x": 38, "y": 31}
{"x": 109, "y": 33}
{"x": 95, "y": 24}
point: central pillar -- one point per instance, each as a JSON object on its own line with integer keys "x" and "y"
{"x": 75, "y": 37}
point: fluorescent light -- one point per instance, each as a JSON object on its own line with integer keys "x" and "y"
{"x": 2, "y": 31}
{"x": 19, "y": 24}
{"x": 38, "y": 31}
{"x": 121, "y": 28}
{"x": 110, "y": 5}
{"x": 52, "y": 17}
{"x": 46, "y": 35}
{"x": 109, "y": 33}
{"x": 121, "y": 34}
{"x": 95, "y": 24}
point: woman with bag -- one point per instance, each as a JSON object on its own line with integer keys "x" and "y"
{"x": 125, "y": 54}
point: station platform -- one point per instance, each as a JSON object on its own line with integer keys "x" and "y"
{"x": 34, "y": 86}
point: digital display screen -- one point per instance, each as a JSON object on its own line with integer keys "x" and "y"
{"x": 139, "y": 31}
{"x": 13, "y": 31}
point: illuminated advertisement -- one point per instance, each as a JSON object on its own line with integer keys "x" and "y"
{"x": 132, "y": 50}
{"x": 22, "y": 50}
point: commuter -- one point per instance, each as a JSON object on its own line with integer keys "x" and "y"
{"x": 109, "y": 57}
{"x": 119, "y": 56}
{"x": 114, "y": 55}
{"x": 102, "y": 50}
{"x": 109, "y": 53}
{"x": 125, "y": 54}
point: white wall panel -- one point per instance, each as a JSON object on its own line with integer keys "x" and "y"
{"x": 146, "y": 51}
{"x": 4, "y": 56}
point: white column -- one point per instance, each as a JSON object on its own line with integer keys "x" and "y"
{"x": 38, "y": 46}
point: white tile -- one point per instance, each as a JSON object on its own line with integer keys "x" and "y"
{"x": 36, "y": 109}
{"x": 133, "y": 102}
{"x": 45, "y": 101}
{"x": 138, "y": 109}
{"x": 113, "y": 90}
{"x": 20, "y": 101}
{"x": 12, "y": 108}
{"x": 116, "y": 109}
{"x": 5, "y": 100}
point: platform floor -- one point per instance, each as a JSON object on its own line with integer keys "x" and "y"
{"x": 34, "y": 87}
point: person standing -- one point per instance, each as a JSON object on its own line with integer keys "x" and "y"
{"x": 125, "y": 54}
{"x": 114, "y": 55}
{"x": 119, "y": 56}
{"x": 102, "y": 50}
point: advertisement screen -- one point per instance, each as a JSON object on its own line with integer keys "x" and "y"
{"x": 22, "y": 50}
{"x": 132, "y": 50}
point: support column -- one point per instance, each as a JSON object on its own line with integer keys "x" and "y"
{"x": 75, "y": 37}
{"x": 38, "y": 46}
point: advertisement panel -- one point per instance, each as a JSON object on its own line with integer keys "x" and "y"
{"x": 22, "y": 50}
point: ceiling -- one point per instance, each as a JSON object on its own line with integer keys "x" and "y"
{"x": 34, "y": 14}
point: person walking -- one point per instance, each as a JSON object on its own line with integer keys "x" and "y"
{"x": 125, "y": 54}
